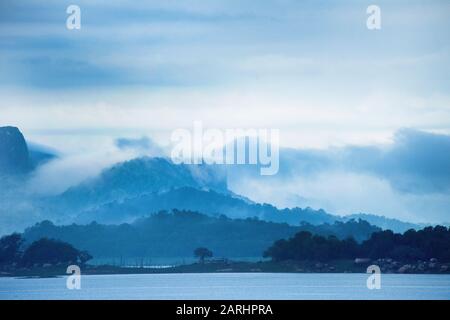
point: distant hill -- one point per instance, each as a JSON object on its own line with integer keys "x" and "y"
{"x": 14, "y": 155}
{"x": 215, "y": 203}
{"x": 395, "y": 225}
{"x": 178, "y": 233}
{"x": 211, "y": 202}
{"x": 17, "y": 156}
{"x": 147, "y": 185}
{"x": 139, "y": 187}
{"x": 141, "y": 176}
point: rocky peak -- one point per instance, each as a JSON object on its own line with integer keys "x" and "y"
{"x": 14, "y": 155}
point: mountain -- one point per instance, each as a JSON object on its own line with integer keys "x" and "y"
{"x": 143, "y": 186}
{"x": 17, "y": 156}
{"x": 395, "y": 225}
{"x": 140, "y": 187}
{"x": 207, "y": 201}
{"x": 179, "y": 233}
{"x": 14, "y": 155}
{"x": 141, "y": 176}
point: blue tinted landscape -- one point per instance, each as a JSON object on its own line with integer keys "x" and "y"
{"x": 224, "y": 150}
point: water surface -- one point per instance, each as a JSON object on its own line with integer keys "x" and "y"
{"x": 253, "y": 286}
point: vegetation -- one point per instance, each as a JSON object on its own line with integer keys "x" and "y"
{"x": 41, "y": 252}
{"x": 177, "y": 234}
{"x": 305, "y": 246}
{"x": 180, "y": 233}
{"x": 431, "y": 242}
{"x": 202, "y": 253}
{"x": 10, "y": 249}
{"x": 428, "y": 243}
{"x": 304, "y": 252}
{"x": 357, "y": 229}
{"x": 49, "y": 251}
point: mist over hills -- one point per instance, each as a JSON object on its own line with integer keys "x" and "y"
{"x": 141, "y": 176}
{"x": 16, "y": 156}
{"x": 186, "y": 191}
{"x": 205, "y": 201}
{"x": 135, "y": 188}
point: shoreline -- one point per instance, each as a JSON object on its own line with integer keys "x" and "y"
{"x": 341, "y": 266}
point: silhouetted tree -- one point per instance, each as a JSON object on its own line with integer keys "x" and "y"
{"x": 84, "y": 257}
{"x": 53, "y": 252}
{"x": 305, "y": 246}
{"x": 10, "y": 249}
{"x": 431, "y": 242}
{"x": 202, "y": 253}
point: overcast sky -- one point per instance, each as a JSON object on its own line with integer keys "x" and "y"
{"x": 309, "y": 68}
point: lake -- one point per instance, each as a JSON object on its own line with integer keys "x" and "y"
{"x": 239, "y": 286}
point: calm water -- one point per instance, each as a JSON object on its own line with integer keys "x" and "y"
{"x": 252, "y": 286}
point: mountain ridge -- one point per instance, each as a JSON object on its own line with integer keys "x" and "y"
{"x": 145, "y": 185}
{"x": 178, "y": 233}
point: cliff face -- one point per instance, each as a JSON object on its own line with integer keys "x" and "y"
{"x": 14, "y": 154}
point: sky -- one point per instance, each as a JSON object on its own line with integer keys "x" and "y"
{"x": 311, "y": 69}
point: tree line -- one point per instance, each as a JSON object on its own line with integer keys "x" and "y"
{"x": 179, "y": 232}
{"x": 430, "y": 242}
{"x": 13, "y": 252}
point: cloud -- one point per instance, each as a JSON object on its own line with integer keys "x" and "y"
{"x": 76, "y": 167}
{"x": 416, "y": 161}
{"x": 181, "y": 43}
{"x": 408, "y": 179}
{"x": 143, "y": 145}
{"x": 308, "y": 68}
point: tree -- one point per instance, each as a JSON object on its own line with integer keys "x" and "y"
{"x": 305, "y": 246}
{"x": 431, "y": 242}
{"x": 10, "y": 249}
{"x": 84, "y": 257}
{"x": 202, "y": 253}
{"x": 53, "y": 252}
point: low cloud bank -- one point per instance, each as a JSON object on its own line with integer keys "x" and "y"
{"x": 408, "y": 179}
